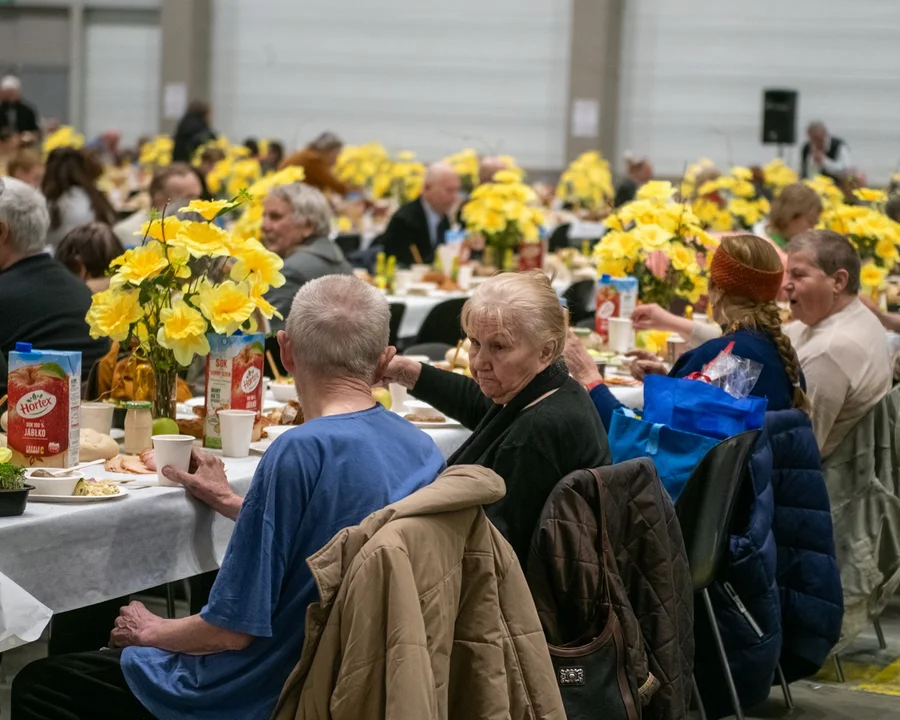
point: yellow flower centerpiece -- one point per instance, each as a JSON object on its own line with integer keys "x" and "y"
{"x": 157, "y": 152}
{"x": 875, "y": 236}
{"x": 737, "y": 195}
{"x": 504, "y": 213}
{"x": 466, "y": 164}
{"x": 400, "y": 180}
{"x": 63, "y": 137}
{"x": 187, "y": 278}
{"x": 660, "y": 242}
{"x": 587, "y": 184}
{"x": 360, "y": 165}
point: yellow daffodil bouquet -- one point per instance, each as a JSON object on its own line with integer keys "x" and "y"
{"x": 249, "y": 224}
{"x": 157, "y": 152}
{"x": 186, "y": 279}
{"x": 504, "y": 212}
{"x": 360, "y": 165}
{"x": 730, "y": 202}
{"x": 587, "y": 184}
{"x": 875, "y": 236}
{"x": 465, "y": 163}
{"x": 660, "y": 242}
{"x": 399, "y": 180}
{"x": 829, "y": 193}
{"x": 63, "y": 137}
{"x": 777, "y": 176}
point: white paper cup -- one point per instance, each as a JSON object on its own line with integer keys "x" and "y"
{"x": 398, "y": 397}
{"x": 97, "y": 416}
{"x": 464, "y": 277}
{"x": 402, "y": 279}
{"x": 620, "y": 335}
{"x": 236, "y": 428}
{"x": 174, "y": 450}
{"x": 418, "y": 272}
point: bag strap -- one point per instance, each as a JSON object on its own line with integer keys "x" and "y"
{"x": 653, "y": 441}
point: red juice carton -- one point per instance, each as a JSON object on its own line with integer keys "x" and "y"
{"x": 234, "y": 379}
{"x": 44, "y": 389}
{"x": 616, "y": 297}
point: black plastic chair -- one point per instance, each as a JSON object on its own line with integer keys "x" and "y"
{"x": 349, "y": 243}
{"x": 705, "y": 509}
{"x": 434, "y": 351}
{"x": 398, "y": 310}
{"x": 442, "y": 323}
{"x": 559, "y": 238}
{"x": 579, "y": 296}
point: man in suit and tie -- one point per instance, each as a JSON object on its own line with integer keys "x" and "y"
{"x": 423, "y": 222}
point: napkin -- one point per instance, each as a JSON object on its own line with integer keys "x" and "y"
{"x": 22, "y": 617}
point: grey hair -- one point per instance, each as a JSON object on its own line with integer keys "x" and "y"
{"x": 10, "y": 82}
{"x": 327, "y": 142}
{"x": 24, "y": 211}
{"x": 816, "y": 125}
{"x": 339, "y": 326}
{"x": 308, "y": 203}
{"x": 831, "y": 252}
{"x": 523, "y": 305}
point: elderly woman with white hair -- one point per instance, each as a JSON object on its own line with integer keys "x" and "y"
{"x": 349, "y": 459}
{"x": 532, "y": 423}
{"x": 296, "y": 226}
{"x": 31, "y": 313}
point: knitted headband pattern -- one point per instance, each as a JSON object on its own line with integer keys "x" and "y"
{"x": 732, "y": 277}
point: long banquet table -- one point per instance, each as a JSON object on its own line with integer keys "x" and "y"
{"x": 59, "y": 557}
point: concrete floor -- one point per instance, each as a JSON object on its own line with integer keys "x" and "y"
{"x": 813, "y": 700}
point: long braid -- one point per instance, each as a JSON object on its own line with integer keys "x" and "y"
{"x": 766, "y": 319}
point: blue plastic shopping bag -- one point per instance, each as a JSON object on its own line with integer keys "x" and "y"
{"x": 693, "y": 406}
{"x": 675, "y": 453}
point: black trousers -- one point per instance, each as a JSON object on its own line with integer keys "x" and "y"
{"x": 83, "y": 686}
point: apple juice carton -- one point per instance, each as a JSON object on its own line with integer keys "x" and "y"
{"x": 234, "y": 379}
{"x": 616, "y": 297}
{"x": 44, "y": 389}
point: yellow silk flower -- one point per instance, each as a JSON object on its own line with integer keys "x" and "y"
{"x": 887, "y": 251}
{"x": 139, "y": 264}
{"x": 202, "y": 240}
{"x": 183, "y": 331}
{"x": 258, "y": 291}
{"x": 872, "y": 276}
{"x": 207, "y": 209}
{"x": 652, "y": 237}
{"x": 264, "y": 265}
{"x": 227, "y": 306}
{"x": 658, "y": 190}
{"x": 112, "y": 314}
{"x": 161, "y": 230}
{"x": 870, "y": 195}
{"x": 683, "y": 258}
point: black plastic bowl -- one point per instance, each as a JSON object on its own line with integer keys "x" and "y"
{"x": 12, "y": 502}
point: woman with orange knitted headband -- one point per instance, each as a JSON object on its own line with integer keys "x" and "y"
{"x": 745, "y": 278}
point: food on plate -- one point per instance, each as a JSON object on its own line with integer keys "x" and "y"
{"x": 97, "y": 446}
{"x": 433, "y": 276}
{"x": 382, "y": 395}
{"x": 423, "y": 416}
{"x": 290, "y": 414}
{"x": 165, "y": 426}
{"x": 449, "y": 286}
{"x": 148, "y": 457}
{"x": 622, "y": 381}
{"x": 94, "y": 488}
{"x": 285, "y": 380}
{"x": 129, "y": 465}
{"x": 194, "y": 426}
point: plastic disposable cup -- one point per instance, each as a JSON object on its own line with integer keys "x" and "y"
{"x": 174, "y": 450}
{"x": 236, "y": 427}
{"x": 97, "y": 416}
{"x": 398, "y": 397}
{"x": 620, "y": 335}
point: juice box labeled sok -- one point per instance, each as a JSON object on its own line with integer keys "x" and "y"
{"x": 234, "y": 379}
{"x": 44, "y": 389}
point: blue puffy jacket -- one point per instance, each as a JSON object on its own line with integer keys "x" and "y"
{"x": 781, "y": 565}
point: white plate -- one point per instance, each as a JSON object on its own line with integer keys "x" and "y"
{"x": 77, "y": 498}
{"x": 448, "y": 425}
{"x": 269, "y": 403}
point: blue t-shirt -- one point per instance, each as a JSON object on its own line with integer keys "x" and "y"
{"x": 315, "y": 480}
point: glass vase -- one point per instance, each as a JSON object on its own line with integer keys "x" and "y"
{"x": 164, "y": 392}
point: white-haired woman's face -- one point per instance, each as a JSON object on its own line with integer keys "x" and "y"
{"x": 281, "y": 231}
{"x": 503, "y": 362}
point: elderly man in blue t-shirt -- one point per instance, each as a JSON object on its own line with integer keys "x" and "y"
{"x": 350, "y": 458}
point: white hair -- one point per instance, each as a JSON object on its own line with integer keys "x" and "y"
{"x": 339, "y": 326}
{"x": 10, "y": 82}
{"x": 308, "y": 203}
{"x": 24, "y": 211}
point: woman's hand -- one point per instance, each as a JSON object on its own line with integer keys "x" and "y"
{"x": 581, "y": 365}
{"x": 403, "y": 371}
{"x": 641, "y": 368}
{"x": 651, "y": 317}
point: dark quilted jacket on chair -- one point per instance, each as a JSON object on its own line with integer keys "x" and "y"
{"x": 648, "y": 578}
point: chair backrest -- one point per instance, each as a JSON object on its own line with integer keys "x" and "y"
{"x": 398, "y": 310}
{"x": 349, "y": 242}
{"x": 578, "y": 299}
{"x": 433, "y": 351}
{"x": 706, "y": 505}
{"x": 442, "y": 323}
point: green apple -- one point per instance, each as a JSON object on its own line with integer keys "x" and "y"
{"x": 596, "y": 355}
{"x": 165, "y": 426}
